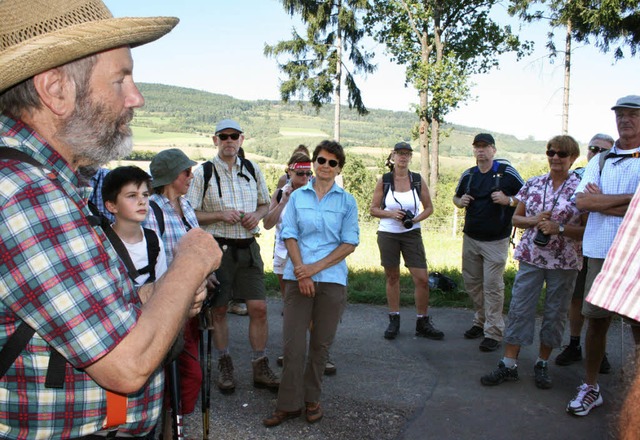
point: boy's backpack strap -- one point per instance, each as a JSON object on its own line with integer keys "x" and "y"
{"x": 122, "y": 252}
{"x": 153, "y": 250}
{"x": 157, "y": 211}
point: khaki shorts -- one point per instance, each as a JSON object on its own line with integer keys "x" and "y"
{"x": 241, "y": 275}
{"x": 409, "y": 244}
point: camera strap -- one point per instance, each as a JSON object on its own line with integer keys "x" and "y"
{"x": 413, "y": 191}
{"x": 544, "y": 198}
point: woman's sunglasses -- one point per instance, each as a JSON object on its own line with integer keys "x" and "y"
{"x": 561, "y": 154}
{"x": 322, "y": 160}
{"x": 224, "y": 136}
{"x": 304, "y": 173}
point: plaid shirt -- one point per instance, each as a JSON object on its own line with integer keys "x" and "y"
{"x": 616, "y": 287}
{"x": 174, "y": 228}
{"x": 62, "y": 277}
{"x": 619, "y": 176}
{"x": 238, "y": 193}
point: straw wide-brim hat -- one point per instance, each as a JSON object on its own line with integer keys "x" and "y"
{"x": 38, "y": 35}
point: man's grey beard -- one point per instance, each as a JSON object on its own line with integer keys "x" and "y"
{"x": 94, "y": 135}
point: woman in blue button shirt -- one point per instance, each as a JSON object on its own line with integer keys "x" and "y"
{"x": 320, "y": 228}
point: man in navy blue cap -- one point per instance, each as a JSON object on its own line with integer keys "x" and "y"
{"x": 486, "y": 193}
{"x": 230, "y": 197}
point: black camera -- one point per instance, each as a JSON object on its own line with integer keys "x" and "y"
{"x": 541, "y": 239}
{"x": 407, "y": 219}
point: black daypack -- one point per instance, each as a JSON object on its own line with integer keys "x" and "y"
{"x": 441, "y": 282}
{"x": 388, "y": 184}
{"x": 209, "y": 169}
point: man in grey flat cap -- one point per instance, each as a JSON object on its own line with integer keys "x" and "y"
{"x": 606, "y": 189}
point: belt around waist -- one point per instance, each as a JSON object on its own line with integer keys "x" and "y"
{"x": 240, "y": 243}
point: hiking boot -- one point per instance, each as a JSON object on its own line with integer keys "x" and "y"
{"x": 474, "y": 332}
{"x": 605, "y": 366}
{"x": 541, "y": 372}
{"x": 263, "y": 377}
{"x": 569, "y": 355}
{"x": 588, "y": 397}
{"x": 425, "y": 328}
{"x": 237, "y": 308}
{"x": 225, "y": 382}
{"x": 489, "y": 344}
{"x": 501, "y": 374}
{"x": 394, "y": 327}
{"x": 330, "y": 368}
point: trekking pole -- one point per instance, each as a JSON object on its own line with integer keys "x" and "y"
{"x": 205, "y": 365}
{"x": 174, "y": 393}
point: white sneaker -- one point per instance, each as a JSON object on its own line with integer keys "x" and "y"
{"x": 588, "y": 397}
{"x": 237, "y": 308}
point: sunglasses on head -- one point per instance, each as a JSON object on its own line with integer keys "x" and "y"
{"x": 224, "y": 136}
{"x": 322, "y": 160}
{"x": 304, "y": 173}
{"x": 561, "y": 154}
{"x": 596, "y": 149}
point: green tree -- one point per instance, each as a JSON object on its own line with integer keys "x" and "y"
{"x": 360, "y": 182}
{"x": 316, "y": 63}
{"x": 441, "y": 42}
{"x": 612, "y": 24}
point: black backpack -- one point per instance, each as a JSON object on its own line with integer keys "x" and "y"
{"x": 387, "y": 184}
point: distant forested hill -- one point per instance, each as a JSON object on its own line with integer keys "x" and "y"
{"x": 273, "y": 127}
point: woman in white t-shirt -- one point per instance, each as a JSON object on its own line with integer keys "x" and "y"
{"x": 401, "y": 201}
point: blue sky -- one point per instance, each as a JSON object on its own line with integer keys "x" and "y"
{"x": 218, "y": 47}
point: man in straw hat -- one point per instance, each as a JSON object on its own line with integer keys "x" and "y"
{"x": 81, "y": 350}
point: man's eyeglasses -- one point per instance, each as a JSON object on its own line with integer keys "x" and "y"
{"x": 224, "y": 136}
{"x": 561, "y": 154}
{"x": 304, "y": 173}
{"x": 322, "y": 160}
{"x": 595, "y": 149}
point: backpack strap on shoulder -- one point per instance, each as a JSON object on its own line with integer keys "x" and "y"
{"x": 207, "y": 170}
{"x": 153, "y": 250}
{"x": 387, "y": 184}
{"x": 157, "y": 211}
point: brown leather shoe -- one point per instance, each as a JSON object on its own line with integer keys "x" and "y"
{"x": 314, "y": 412}
{"x": 280, "y": 416}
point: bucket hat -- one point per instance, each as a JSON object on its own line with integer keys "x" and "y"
{"x": 38, "y": 35}
{"x": 167, "y": 165}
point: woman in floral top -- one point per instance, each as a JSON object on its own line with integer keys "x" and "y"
{"x": 550, "y": 252}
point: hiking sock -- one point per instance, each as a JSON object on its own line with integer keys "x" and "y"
{"x": 509, "y": 362}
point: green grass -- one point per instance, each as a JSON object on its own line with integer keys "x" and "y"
{"x": 366, "y": 277}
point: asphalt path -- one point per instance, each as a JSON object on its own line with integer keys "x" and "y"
{"x": 415, "y": 388}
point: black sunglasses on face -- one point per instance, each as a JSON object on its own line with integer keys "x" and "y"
{"x": 304, "y": 173}
{"x": 561, "y": 154}
{"x": 596, "y": 149}
{"x": 224, "y": 136}
{"x": 322, "y": 160}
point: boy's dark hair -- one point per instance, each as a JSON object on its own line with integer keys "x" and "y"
{"x": 332, "y": 147}
{"x": 121, "y": 176}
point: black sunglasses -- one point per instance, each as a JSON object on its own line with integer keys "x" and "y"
{"x": 304, "y": 173}
{"x": 596, "y": 149}
{"x": 561, "y": 154}
{"x": 224, "y": 136}
{"x": 322, "y": 160}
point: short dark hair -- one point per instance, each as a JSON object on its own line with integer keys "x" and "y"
{"x": 332, "y": 147}
{"x": 117, "y": 178}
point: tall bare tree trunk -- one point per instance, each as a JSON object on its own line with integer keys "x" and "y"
{"x": 567, "y": 80}
{"x": 338, "y": 81}
{"x": 423, "y": 128}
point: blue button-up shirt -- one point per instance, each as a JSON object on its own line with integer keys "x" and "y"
{"x": 320, "y": 226}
